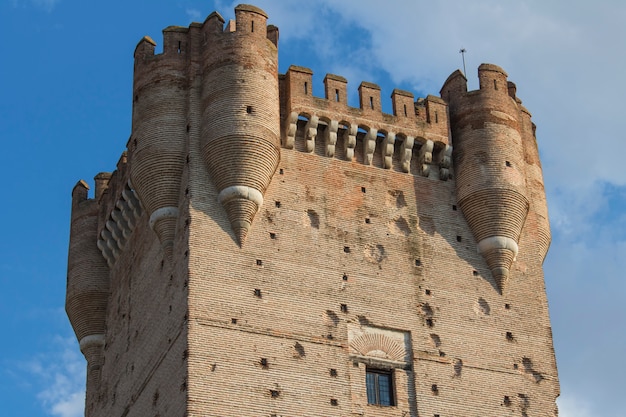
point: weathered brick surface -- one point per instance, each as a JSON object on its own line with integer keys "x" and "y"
{"x": 360, "y": 255}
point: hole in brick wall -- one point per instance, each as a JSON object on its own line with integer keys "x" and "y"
{"x": 257, "y": 292}
{"x": 170, "y": 308}
{"x": 185, "y": 354}
{"x": 162, "y": 263}
{"x": 344, "y": 308}
{"x": 434, "y": 388}
{"x": 507, "y": 306}
{"x": 183, "y": 387}
{"x": 430, "y": 323}
{"x": 263, "y": 363}
{"x": 459, "y": 239}
{"x": 249, "y": 109}
{"x": 507, "y": 163}
{"x": 333, "y": 372}
{"x": 334, "y": 402}
{"x": 367, "y": 220}
{"x": 345, "y": 277}
{"x": 213, "y": 367}
{"x": 272, "y": 235}
{"x": 314, "y": 219}
{"x": 136, "y": 98}
{"x": 233, "y": 321}
{"x": 436, "y": 415}
{"x": 329, "y": 336}
{"x": 442, "y": 354}
{"x": 435, "y": 339}
{"x": 277, "y": 204}
{"x": 372, "y": 103}
{"x": 331, "y": 318}
{"x": 299, "y": 350}
{"x": 187, "y": 132}
{"x": 362, "y": 189}
{"x": 427, "y": 310}
{"x": 458, "y": 367}
{"x": 274, "y": 393}
{"x": 306, "y": 87}
{"x": 482, "y": 307}
{"x": 427, "y": 292}
{"x": 346, "y": 249}
{"x": 281, "y": 171}
{"x": 506, "y": 401}
{"x": 515, "y": 366}
{"x": 475, "y": 273}
{"x": 509, "y": 336}
{"x": 418, "y": 262}
{"x": 453, "y": 207}
{"x": 186, "y": 253}
{"x": 259, "y": 262}
{"x": 187, "y": 189}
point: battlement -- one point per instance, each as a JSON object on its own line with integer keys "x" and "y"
{"x": 492, "y": 81}
{"x": 414, "y": 139}
{"x": 178, "y": 40}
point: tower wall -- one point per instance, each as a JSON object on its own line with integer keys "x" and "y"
{"x": 265, "y": 251}
{"x": 490, "y": 166}
{"x": 87, "y": 285}
{"x": 240, "y": 138}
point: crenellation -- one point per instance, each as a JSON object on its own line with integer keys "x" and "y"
{"x": 175, "y": 41}
{"x": 336, "y": 89}
{"x": 261, "y": 243}
{"x": 402, "y": 103}
{"x": 369, "y": 98}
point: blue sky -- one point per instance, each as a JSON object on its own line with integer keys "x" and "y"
{"x": 65, "y": 109}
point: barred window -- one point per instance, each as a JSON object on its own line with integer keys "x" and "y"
{"x": 379, "y": 387}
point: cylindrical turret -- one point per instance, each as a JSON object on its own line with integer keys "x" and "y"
{"x": 489, "y": 166}
{"x": 87, "y": 282}
{"x": 158, "y": 141}
{"x": 534, "y": 183}
{"x": 240, "y": 140}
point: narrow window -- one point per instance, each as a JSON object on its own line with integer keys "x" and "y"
{"x": 336, "y": 95}
{"x": 252, "y": 27}
{"x": 372, "y": 102}
{"x": 495, "y": 85}
{"x": 405, "y": 113}
{"x": 436, "y": 117}
{"x": 179, "y": 50}
{"x": 379, "y": 387}
{"x": 306, "y": 87}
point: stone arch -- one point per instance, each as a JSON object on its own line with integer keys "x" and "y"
{"x": 379, "y": 346}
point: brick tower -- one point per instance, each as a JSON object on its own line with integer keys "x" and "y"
{"x": 260, "y": 251}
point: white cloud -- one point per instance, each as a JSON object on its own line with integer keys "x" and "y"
{"x": 60, "y": 373}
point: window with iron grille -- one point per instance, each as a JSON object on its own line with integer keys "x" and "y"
{"x": 379, "y": 387}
